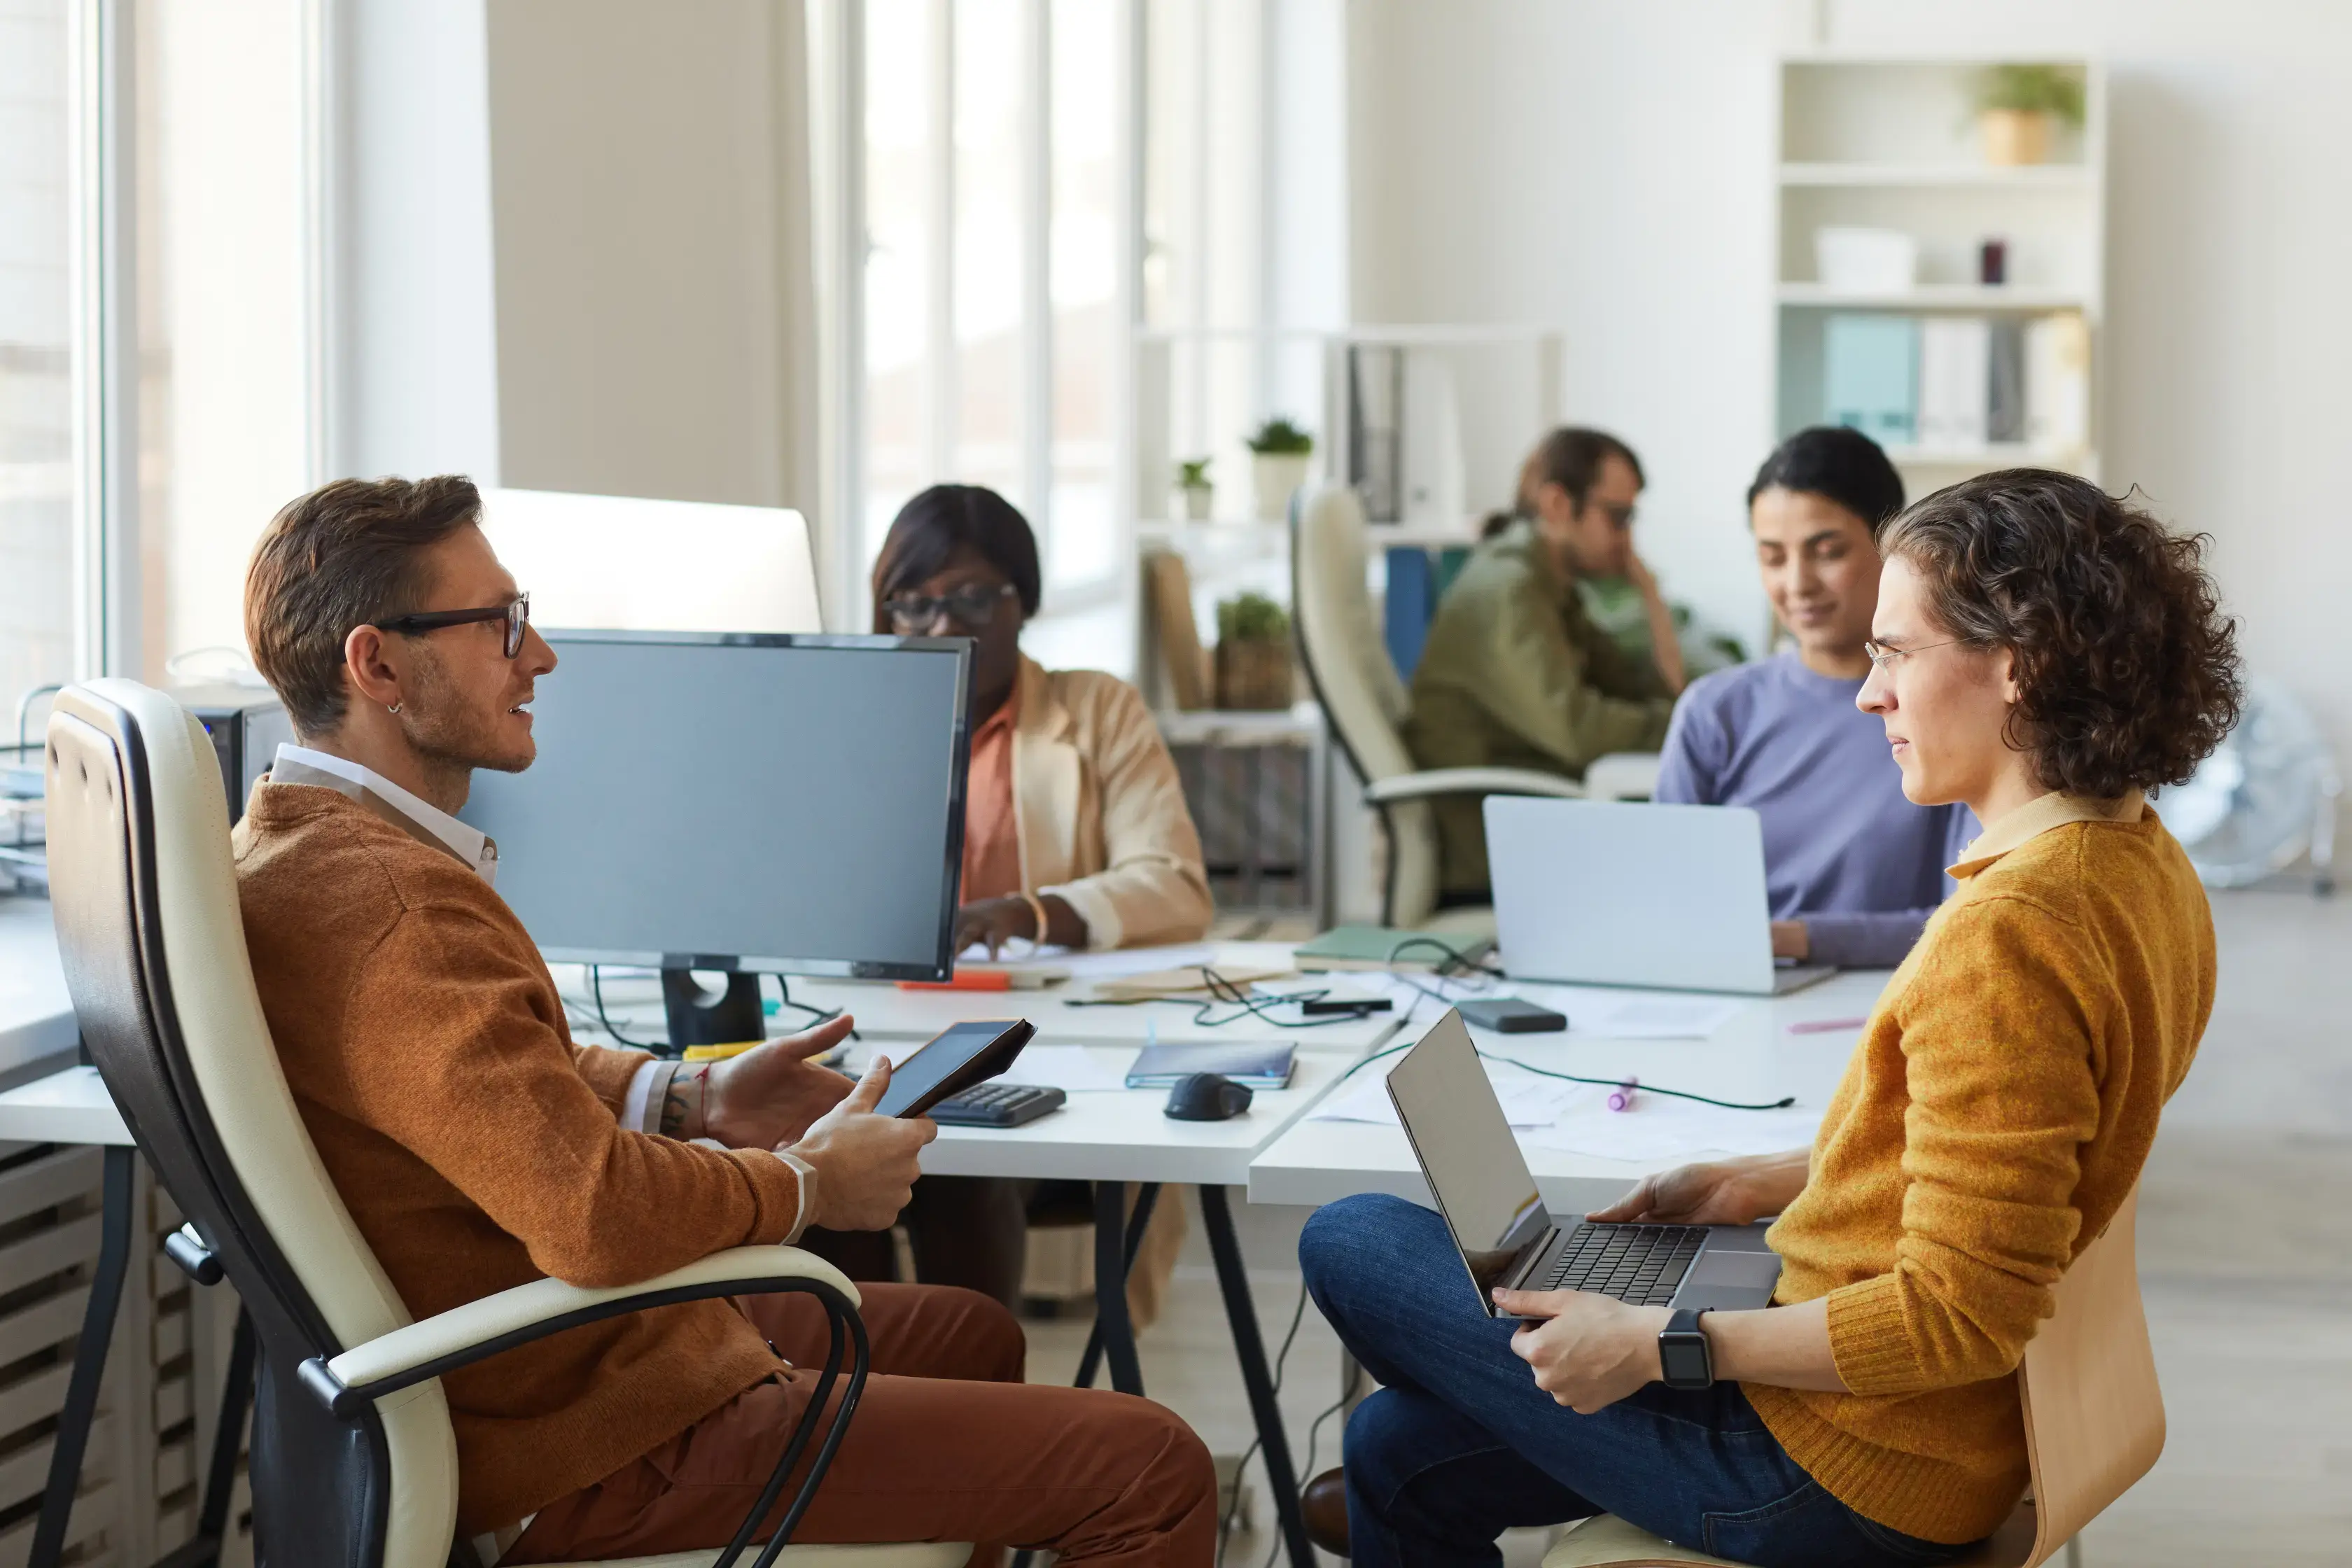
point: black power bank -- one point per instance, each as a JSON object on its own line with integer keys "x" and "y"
{"x": 1510, "y": 1015}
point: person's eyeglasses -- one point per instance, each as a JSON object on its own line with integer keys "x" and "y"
{"x": 1883, "y": 657}
{"x": 1619, "y": 513}
{"x": 967, "y": 607}
{"x": 515, "y": 613}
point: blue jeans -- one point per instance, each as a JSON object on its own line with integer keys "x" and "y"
{"x": 1460, "y": 1445}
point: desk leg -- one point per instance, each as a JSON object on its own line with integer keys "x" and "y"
{"x": 1146, "y": 1198}
{"x": 90, "y": 1360}
{"x": 1112, "y": 1329}
{"x": 1250, "y": 1350}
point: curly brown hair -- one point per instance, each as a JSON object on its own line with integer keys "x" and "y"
{"x": 2128, "y": 668}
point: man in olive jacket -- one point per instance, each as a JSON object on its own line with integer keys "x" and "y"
{"x": 1515, "y": 674}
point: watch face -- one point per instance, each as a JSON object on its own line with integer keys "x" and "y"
{"x": 1683, "y": 1364}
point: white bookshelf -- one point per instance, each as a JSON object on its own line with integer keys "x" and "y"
{"x": 1889, "y": 142}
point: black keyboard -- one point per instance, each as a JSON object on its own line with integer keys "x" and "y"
{"x": 1640, "y": 1264}
{"x": 997, "y": 1105}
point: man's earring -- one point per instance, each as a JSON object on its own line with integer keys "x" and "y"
{"x": 393, "y": 708}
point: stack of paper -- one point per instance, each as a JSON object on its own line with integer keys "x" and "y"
{"x": 1661, "y": 1130}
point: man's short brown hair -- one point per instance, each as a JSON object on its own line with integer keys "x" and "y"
{"x": 349, "y": 554}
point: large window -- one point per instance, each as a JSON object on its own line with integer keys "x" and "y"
{"x": 993, "y": 192}
{"x": 37, "y": 490}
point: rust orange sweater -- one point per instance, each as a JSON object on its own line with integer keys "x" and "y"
{"x": 478, "y": 1148}
{"x": 1996, "y": 1113}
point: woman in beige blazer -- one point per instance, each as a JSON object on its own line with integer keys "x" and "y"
{"x": 1075, "y": 834}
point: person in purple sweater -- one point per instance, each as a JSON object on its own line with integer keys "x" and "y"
{"x": 1853, "y": 868}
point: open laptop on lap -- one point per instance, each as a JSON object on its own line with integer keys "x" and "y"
{"x": 1594, "y": 892}
{"x": 1489, "y": 1202}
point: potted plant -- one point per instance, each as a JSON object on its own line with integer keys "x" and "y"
{"x": 1196, "y": 496}
{"x": 2016, "y": 105}
{"x": 1254, "y": 654}
{"x": 1279, "y": 454}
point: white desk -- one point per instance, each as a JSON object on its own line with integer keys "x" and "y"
{"x": 36, "y": 1017}
{"x": 1752, "y": 1058}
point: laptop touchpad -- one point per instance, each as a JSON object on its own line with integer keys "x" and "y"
{"x": 1737, "y": 1270}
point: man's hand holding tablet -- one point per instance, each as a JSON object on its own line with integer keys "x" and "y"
{"x": 864, "y": 1159}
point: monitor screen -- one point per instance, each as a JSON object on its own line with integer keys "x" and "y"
{"x": 786, "y": 804}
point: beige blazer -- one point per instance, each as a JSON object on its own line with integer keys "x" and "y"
{"x": 1099, "y": 812}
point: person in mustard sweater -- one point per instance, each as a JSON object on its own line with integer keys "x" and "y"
{"x": 2043, "y": 653}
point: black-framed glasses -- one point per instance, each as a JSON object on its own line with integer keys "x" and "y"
{"x": 968, "y": 606}
{"x": 515, "y": 613}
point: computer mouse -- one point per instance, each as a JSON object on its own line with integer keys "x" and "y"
{"x": 1207, "y": 1097}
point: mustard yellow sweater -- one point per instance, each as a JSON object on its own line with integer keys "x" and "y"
{"x": 1996, "y": 1113}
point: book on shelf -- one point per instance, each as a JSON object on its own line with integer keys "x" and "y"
{"x": 2005, "y": 378}
{"x": 1179, "y": 635}
{"x": 1955, "y": 379}
{"x": 1870, "y": 376}
{"x": 1376, "y": 429}
{"x": 2058, "y": 383}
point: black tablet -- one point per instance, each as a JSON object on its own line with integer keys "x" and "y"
{"x": 950, "y": 1063}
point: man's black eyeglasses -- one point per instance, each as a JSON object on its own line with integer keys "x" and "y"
{"x": 969, "y": 606}
{"x": 516, "y": 614}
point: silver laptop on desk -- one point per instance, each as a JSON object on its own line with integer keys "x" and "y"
{"x": 1488, "y": 1198}
{"x": 1626, "y": 893}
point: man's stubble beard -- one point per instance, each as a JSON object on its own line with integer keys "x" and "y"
{"x": 448, "y": 734}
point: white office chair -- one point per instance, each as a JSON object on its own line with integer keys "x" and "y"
{"x": 2093, "y": 1425}
{"x": 353, "y": 1463}
{"x": 1348, "y": 663}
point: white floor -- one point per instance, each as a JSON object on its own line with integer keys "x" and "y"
{"x": 2245, "y": 1259}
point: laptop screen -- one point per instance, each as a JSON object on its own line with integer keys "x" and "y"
{"x": 1464, "y": 1145}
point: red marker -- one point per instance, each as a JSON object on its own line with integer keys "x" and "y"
{"x": 1621, "y": 1097}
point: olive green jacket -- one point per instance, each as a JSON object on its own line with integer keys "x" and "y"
{"x": 1515, "y": 675}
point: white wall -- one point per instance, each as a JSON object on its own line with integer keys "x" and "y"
{"x": 650, "y": 198}
{"x": 1605, "y": 166}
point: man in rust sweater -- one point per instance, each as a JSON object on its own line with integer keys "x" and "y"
{"x": 478, "y": 1147}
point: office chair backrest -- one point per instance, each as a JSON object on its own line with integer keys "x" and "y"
{"x": 1347, "y": 658}
{"x": 154, "y": 949}
{"x": 2093, "y": 1413}
{"x": 1348, "y": 665}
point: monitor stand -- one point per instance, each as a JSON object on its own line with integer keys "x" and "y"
{"x": 697, "y": 1017}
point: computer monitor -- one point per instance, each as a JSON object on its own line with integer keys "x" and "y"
{"x": 741, "y": 802}
{"x": 627, "y": 563}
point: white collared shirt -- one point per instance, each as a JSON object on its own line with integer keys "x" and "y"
{"x": 470, "y": 845}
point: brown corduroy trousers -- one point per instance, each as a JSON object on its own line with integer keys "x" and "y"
{"x": 948, "y": 1444}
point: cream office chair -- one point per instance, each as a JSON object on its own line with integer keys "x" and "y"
{"x": 1348, "y": 663}
{"x": 2094, "y": 1424}
{"x": 353, "y": 1464}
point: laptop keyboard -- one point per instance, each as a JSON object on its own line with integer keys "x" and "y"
{"x": 1640, "y": 1264}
